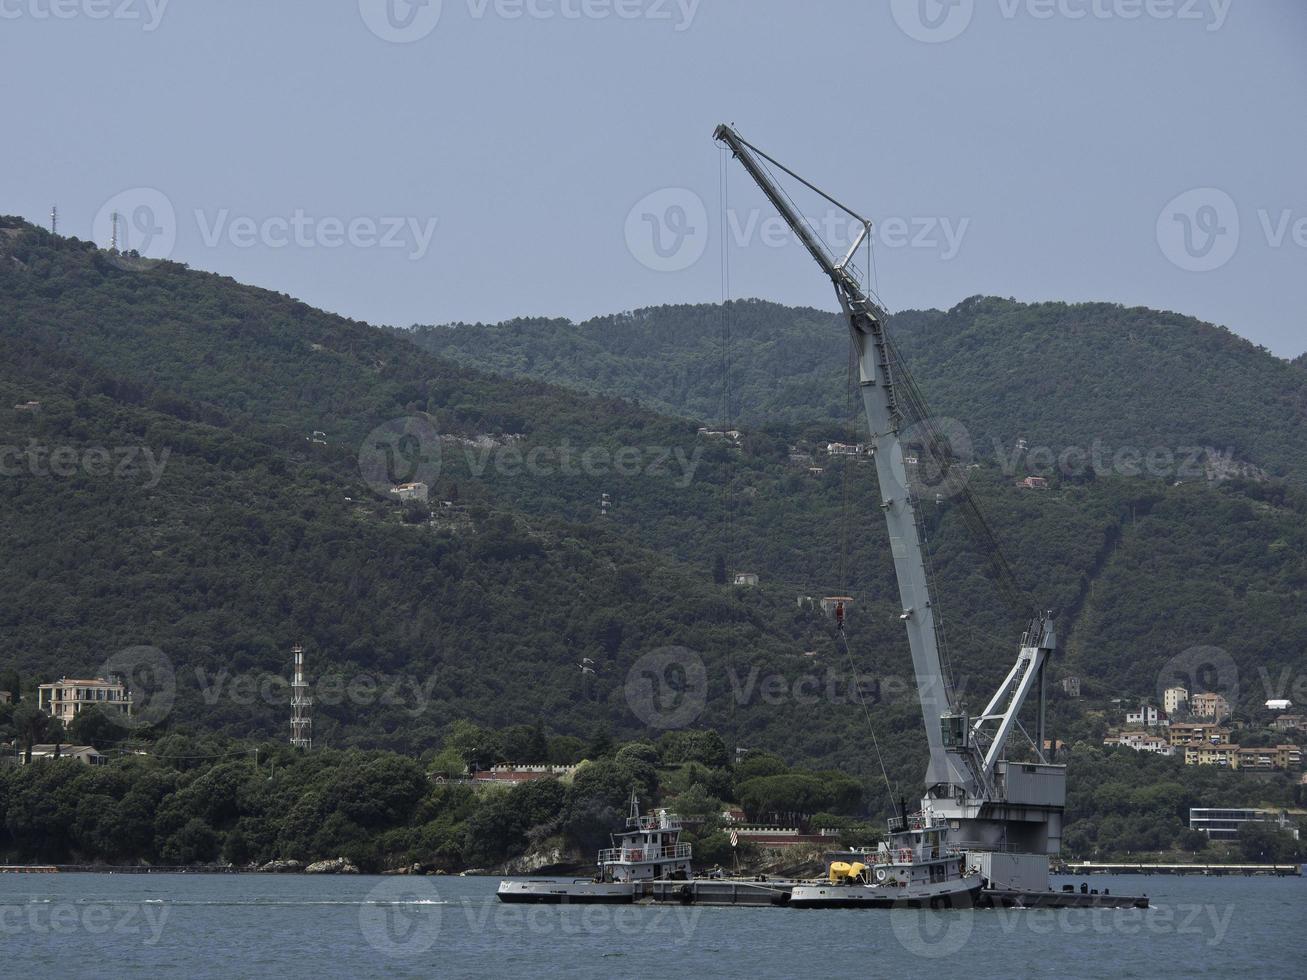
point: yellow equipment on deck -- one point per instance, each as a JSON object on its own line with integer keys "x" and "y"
{"x": 842, "y": 872}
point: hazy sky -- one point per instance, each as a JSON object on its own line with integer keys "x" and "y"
{"x": 484, "y": 159}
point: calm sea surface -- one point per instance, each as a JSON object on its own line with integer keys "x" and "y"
{"x": 71, "y": 925}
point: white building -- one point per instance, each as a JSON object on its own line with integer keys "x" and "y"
{"x": 1173, "y": 699}
{"x": 1147, "y": 715}
{"x": 746, "y": 579}
{"x": 1142, "y": 742}
{"x": 1223, "y": 824}
{"x": 85, "y": 754}
{"x": 1279, "y": 704}
{"x": 66, "y": 697}
{"x": 411, "y": 491}
{"x": 845, "y": 449}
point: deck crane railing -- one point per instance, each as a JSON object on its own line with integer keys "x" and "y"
{"x": 964, "y": 753}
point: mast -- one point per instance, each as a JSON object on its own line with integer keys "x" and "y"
{"x": 952, "y": 761}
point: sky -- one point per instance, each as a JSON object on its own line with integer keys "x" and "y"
{"x": 478, "y": 160}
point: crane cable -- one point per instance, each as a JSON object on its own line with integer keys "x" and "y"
{"x": 866, "y": 712}
{"x": 724, "y": 252}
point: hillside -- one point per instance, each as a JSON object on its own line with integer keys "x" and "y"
{"x": 1057, "y": 375}
{"x": 254, "y": 535}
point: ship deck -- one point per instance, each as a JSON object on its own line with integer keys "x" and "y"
{"x": 776, "y": 893}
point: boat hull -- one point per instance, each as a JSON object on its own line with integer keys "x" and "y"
{"x": 544, "y": 892}
{"x": 948, "y": 895}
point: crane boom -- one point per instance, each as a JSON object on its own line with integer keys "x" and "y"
{"x": 955, "y": 764}
{"x": 1007, "y": 815}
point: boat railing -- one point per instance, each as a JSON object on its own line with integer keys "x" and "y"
{"x": 963, "y": 846}
{"x": 675, "y": 852}
{"x": 666, "y": 821}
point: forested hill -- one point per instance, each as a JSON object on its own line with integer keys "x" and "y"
{"x": 1057, "y": 375}
{"x": 250, "y": 524}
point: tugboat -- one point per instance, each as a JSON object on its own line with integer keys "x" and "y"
{"x": 916, "y": 868}
{"x": 648, "y": 851}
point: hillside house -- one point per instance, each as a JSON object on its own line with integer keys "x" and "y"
{"x": 66, "y": 698}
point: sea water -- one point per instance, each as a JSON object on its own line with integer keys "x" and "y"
{"x": 129, "y": 925}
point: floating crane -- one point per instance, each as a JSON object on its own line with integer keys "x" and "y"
{"x": 1007, "y": 815}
